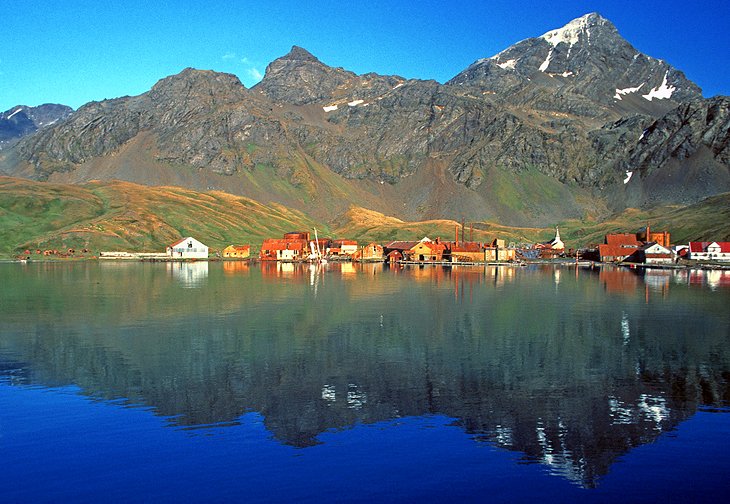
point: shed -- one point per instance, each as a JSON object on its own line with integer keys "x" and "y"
{"x": 370, "y": 252}
{"x": 237, "y": 251}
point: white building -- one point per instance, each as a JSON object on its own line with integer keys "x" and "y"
{"x": 709, "y": 251}
{"x": 653, "y": 253}
{"x": 557, "y": 243}
{"x": 188, "y": 248}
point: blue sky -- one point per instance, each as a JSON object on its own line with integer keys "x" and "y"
{"x": 75, "y": 51}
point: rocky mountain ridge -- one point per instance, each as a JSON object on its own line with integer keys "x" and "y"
{"x": 573, "y": 123}
{"x": 586, "y": 58}
{"x": 22, "y": 120}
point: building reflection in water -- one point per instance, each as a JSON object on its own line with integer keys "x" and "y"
{"x": 236, "y": 267}
{"x": 189, "y": 274}
{"x": 629, "y": 280}
{"x": 571, "y": 378}
{"x": 714, "y": 279}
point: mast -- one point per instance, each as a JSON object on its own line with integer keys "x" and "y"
{"x": 316, "y": 240}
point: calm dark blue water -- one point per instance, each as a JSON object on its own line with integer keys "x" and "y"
{"x": 220, "y": 382}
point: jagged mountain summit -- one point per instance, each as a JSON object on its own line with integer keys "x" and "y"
{"x": 570, "y": 123}
{"x": 583, "y": 64}
{"x": 22, "y": 120}
{"x": 300, "y": 78}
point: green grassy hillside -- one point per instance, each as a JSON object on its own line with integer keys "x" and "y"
{"x": 130, "y": 217}
{"x": 708, "y": 220}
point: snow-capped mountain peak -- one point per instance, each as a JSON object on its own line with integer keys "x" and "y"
{"x": 572, "y": 32}
{"x": 589, "y": 61}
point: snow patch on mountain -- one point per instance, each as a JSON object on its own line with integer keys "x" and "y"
{"x": 508, "y": 65}
{"x": 662, "y": 92}
{"x": 329, "y": 108}
{"x": 628, "y": 90}
{"x": 11, "y": 115}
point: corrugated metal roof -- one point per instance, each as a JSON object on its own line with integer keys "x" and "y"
{"x": 401, "y": 245}
{"x": 281, "y": 244}
{"x": 622, "y": 239}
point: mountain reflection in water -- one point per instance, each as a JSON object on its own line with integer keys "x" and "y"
{"x": 571, "y": 367}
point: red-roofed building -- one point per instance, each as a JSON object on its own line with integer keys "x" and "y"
{"x": 709, "y": 251}
{"x": 273, "y": 249}
{"x": 618, "y": 247}
{"x": 398, "y": 245}
{"x": 427, "y": 251}
{"x": 467, "y": 252}
{"x": 343, "y": 247}
{"x": 394, "y": 256}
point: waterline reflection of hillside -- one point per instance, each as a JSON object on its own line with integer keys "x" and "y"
{"x": 572, "y": 374}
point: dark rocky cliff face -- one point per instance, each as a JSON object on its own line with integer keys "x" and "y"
{"x": 515, "y": 137}
{"x": 681, "y": 157}
{"x": 299, "y": 78}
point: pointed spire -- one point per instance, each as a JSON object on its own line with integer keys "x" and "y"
{"x": 557, "y": 243}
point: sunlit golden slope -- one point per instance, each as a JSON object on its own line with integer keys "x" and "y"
{"x": 125, "y": 216}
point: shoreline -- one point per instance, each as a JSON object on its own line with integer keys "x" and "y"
{"x": 255, "y": 260}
